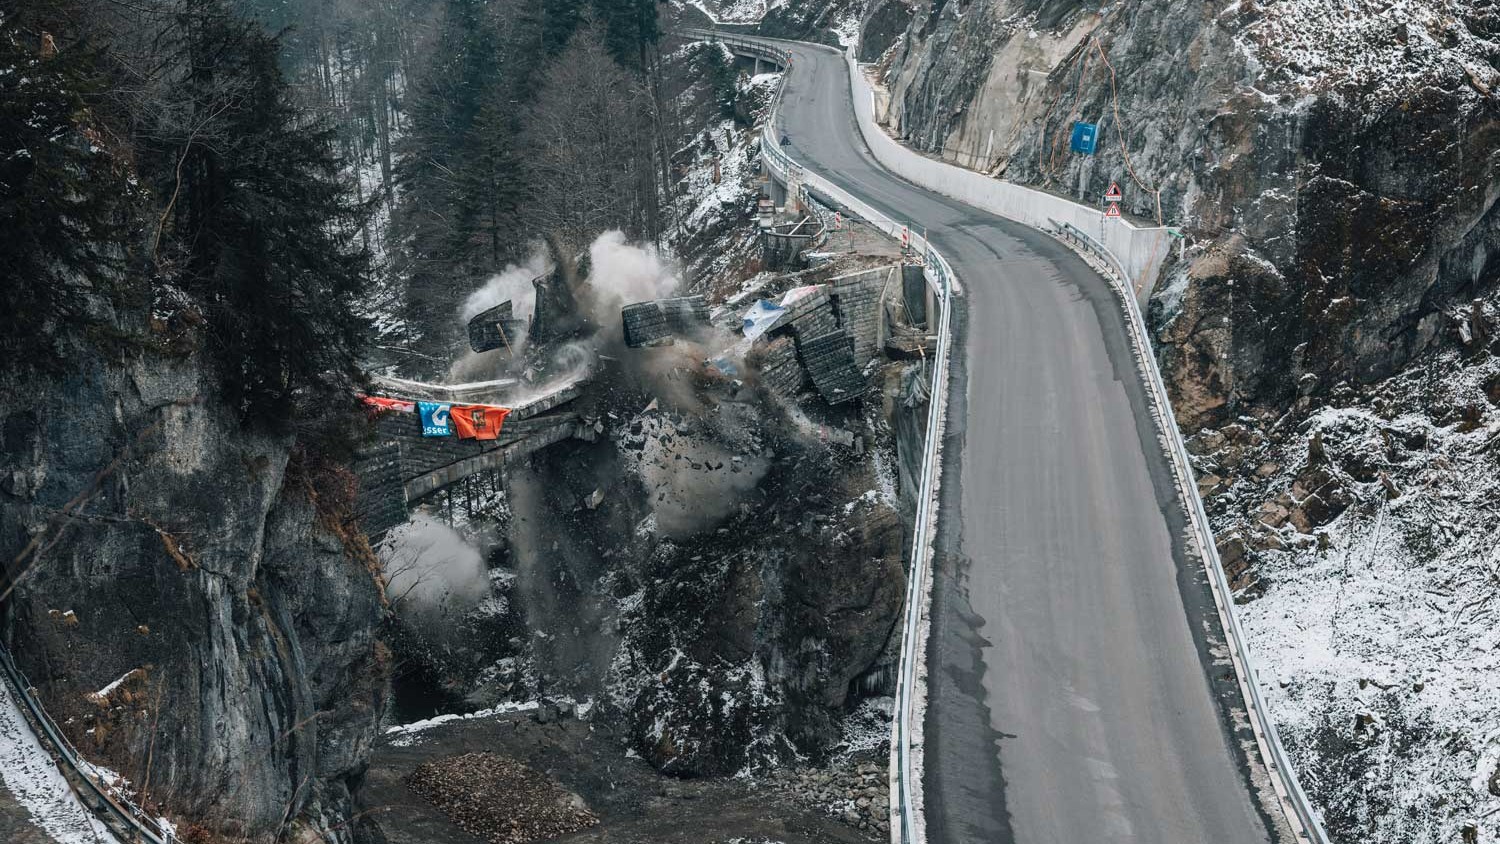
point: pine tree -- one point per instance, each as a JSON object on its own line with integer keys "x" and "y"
{"x": 559, "y": 19}
{"x": 457, "y": 148}
{"x": 492, "y": 178}
{"x": 258, "y": 226}
{"x": 64, "y": 196}
{"x": 630, "y": 30}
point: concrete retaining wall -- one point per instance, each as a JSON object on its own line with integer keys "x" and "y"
{"x": 1141, "y": 251}
{"x": 856, "y": 300}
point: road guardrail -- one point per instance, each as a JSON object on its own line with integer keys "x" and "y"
{"x": 126, "y": 820}
{"x": 907, "y": 822}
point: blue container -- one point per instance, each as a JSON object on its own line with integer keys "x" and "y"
{"x": 1085, "y": 137}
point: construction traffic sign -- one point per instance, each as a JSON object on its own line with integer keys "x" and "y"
{"x": 1113, "y": 194}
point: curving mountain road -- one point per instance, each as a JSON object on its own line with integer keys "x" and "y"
{"x": 1072, "y": 697}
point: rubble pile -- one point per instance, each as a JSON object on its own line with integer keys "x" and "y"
{"x": 498, "y": 799}
{"x": 857, "y": 793}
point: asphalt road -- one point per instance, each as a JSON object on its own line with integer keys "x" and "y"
{"x": 1073, "y": 700}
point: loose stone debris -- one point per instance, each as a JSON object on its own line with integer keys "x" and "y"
{"x": 498, "y": 799}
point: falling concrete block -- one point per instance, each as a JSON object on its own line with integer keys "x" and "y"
{"x": 829, "y": 361}
{"x": 660, "y": 322}
{"x": 685, "y": 314}
{"x": 496, "y": 328}
{"x": 645, "y": 326}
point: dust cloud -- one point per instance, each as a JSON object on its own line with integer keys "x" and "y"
{"x": 514, "y": 284}
{"x": 622, "y": 273}
{"x": 433, "y": 575}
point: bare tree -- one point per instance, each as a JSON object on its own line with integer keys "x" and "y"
{"x": 590, "y": 145}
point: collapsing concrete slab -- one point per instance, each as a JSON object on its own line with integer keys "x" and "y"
{"x": 661, "y": 321}
{"x": 809, "y": 313}
{"x": 780, "y": 370}
{"x": 829, "y": 361}
{"x": 496, "y": 328}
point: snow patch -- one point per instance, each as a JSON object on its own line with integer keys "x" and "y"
{"x": 32, "y": 778}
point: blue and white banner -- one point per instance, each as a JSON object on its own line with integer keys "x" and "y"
{"x": 434, "y": 418}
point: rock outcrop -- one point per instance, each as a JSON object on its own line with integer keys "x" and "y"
{"x": 188, "y": 600}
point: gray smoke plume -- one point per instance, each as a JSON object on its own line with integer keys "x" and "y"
{"x": 621, "y": 273}
{"x": 433, "y": 576}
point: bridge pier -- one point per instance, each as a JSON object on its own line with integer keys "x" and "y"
{"x": 777, "y": 191}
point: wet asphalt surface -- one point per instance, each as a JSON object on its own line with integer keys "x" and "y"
{"x": 1073, "y": 698}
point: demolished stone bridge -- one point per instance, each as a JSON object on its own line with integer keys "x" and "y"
{"x": 400, "y": 467}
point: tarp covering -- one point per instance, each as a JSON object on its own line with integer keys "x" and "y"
{"x": 383, "y": 403}
{"x": 446, "y": 419}
{"x": 797, "y": 293}
{"x": 760, "y": 317}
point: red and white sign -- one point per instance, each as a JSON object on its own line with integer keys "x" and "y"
{"x": 838, "y": 221}
{"x": 1113, "y": 194}
{"x": 905, "y": 237}
{"x": 1114, "y": 210}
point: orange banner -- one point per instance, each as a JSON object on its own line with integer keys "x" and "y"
{"x": 477, "y": 421}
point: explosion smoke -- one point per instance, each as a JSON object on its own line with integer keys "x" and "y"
{"x": 433, "y": 576}
{"x": 512, "y": 283}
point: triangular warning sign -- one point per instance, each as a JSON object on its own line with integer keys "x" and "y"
{"x": 1113, "y": 194}
{"x": 1114, "y": 211}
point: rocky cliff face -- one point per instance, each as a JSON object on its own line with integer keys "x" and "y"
{"x": 1333, "y": 169}
{"x": 189, "y": 602}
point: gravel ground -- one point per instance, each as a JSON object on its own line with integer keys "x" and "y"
{"x": 855, "y": 792}
{"x": 633, "y": 803}
{"x": 498, "y": 799}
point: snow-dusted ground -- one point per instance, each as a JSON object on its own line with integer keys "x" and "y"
{"x": 405, "y": 735}
{"x": 709, "y": 214}
{"x": 32, "y": 778}
{"x": 1386, "y": 48}
{"x": 1377, "y": 635}
{"x": 733, "y": 11}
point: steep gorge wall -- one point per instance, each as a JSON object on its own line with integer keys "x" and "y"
{"x": 1333, "y": 169}
{"x": 184, "y": 609}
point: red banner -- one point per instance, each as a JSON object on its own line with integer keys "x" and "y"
{"x": 383, "y": 403}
